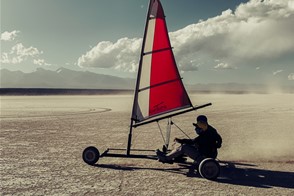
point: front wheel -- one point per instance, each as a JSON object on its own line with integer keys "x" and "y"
{"x": 209, "y": 168}
{"x": 91, "y": 155}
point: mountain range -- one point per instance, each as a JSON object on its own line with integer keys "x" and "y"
{"x": 63, "y": 78}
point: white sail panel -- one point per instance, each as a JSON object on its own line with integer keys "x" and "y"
{"x": 144, "y": 92}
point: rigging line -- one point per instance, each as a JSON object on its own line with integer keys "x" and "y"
{"x": 161, "y": 132}
{"x": 181, "y": 129}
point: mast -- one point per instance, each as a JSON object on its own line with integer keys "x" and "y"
{"x": 135, "y": 103}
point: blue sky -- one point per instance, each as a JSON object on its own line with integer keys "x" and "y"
{"x": 214, "y": 41}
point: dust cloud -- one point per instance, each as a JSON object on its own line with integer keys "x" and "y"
{"x": 255, "y": 127}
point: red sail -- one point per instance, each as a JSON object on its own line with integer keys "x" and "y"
{"x": 160, "y": 88}
{"x": 168, "y": 92}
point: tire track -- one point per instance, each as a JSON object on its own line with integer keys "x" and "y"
{"x": 91, "y": 111}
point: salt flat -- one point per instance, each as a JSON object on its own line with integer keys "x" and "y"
{"x": 42, "y": 139}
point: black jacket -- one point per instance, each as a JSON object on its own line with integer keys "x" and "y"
{"x": 207, "y": 142}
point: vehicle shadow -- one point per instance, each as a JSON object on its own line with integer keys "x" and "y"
{"x": 250, "y": 175}
{"x": 182, "y": 169}
{"x": 231, "y": 173}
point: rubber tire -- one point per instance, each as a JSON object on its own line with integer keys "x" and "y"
{"x": 91, "y": 155}
{"x": 209, "y": 168}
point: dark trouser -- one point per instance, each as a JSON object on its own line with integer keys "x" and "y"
{"x": 185, "y": 149}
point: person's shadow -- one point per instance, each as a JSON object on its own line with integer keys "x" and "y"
{"x": 250, "y": 175}
{"x": 231, "y": 173}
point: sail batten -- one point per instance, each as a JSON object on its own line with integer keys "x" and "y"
{"x": 159, "y": 84}
{"x": 159, "y": 87}
{"x": 159, "y": 50}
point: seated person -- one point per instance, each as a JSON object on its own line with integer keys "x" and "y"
{"x": 205, "y": 144}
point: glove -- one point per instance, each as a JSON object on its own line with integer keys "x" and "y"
{"x": 178, "y": 140}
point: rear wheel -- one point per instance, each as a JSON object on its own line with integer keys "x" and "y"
{"x": 209, "y": 168}
{"x": 91, "y": 155}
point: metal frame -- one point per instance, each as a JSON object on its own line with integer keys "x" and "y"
{"x": 120, "y": 155}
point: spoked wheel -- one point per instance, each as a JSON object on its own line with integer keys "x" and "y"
{"x": 91, "y": 155}
{"x": 209, "y": 168}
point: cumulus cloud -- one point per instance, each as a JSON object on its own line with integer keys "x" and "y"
{"x": 9, "y": 36}
{"x": 4, "y": 58}
{"x": 260, "y": 30}
{"x": 19, "y": 53}
{"x": 121, "y": 55}
{"x": 291, "y": 76}
{"x": 20, "y": 50}
{"x": 40, "y": 62}
{"x": 257, "y": 30}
